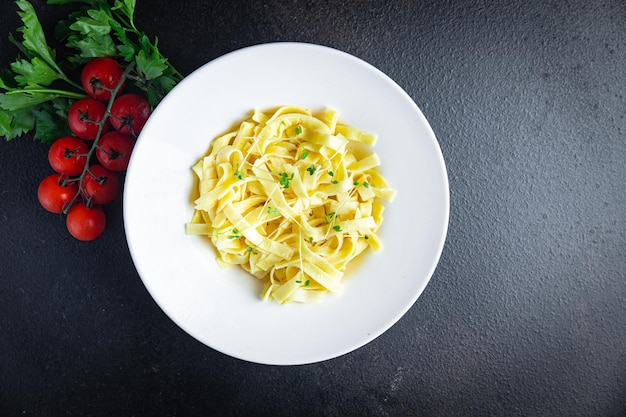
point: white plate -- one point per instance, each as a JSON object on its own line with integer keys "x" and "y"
{"x": 222, "y": 308}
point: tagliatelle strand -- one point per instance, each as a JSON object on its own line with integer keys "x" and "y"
{"x": 292, "y": 198}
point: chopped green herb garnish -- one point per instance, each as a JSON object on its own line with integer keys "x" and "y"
{"x": 311, "y": 239}
{"x": 307, "y": 283}
{"x": 284, "y": 179}
{"x": 311, "y": 169}
{"x": 366, "y": 237}
{"x": 366, "y": 185}
{"x": 334, "y": 182}
{"x": 234, "y": 234}
{"x": 251, "y": 250}
{"x": 337, "y": 228}
{"x": 238, "y": 174}
{"x": 305, "y": 153}
{"x": 355, "y": 183}
{"x": 272, "y": 210}
{"x": 330, "y": 217}
{"x": 331, "y": 173}
{"x": 298, "y": 130}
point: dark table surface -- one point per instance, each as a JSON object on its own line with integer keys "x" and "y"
{"x": 525, "y": 314}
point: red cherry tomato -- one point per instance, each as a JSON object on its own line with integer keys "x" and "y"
{"x": 100, "y": 76}
{"x": 84, "y": 116}
{"x": 129, "y": 114}
{"x": 101, "y": 185}
{"x": 114, "y": 150}
{"x": 54, "y": 193}
{"x": 68, "y": 155}
{"x": 85, "y": 223}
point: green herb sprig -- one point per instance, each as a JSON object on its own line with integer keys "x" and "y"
{"x": 35, "y": 90}
{"x": 306, "y": 283}
{"x": 284, "y": 179}
{"x": 98, "y": 29}
{"x": 235, "y": 234}
{"x": 238, "y": 174}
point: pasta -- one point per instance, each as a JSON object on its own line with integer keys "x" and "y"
{"x": 292, "y": 198}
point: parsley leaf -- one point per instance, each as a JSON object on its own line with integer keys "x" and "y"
{"x": 32, "y": 72}
{"x": 50, "y": 120}
{"x": 33, "y": 35}
{"x": 151, "y": 64}
{"x": 16, "y": 123}
{"x": 95, "y": 23}
{"x": 127, "y": 7}
{"x": 14, "y": 102}
{"x": 91, "y": 47}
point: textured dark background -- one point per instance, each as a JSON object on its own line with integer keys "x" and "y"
{"x": 525, "y": 314}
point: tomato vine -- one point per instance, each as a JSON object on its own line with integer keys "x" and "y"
{"x": 38, "y": 96}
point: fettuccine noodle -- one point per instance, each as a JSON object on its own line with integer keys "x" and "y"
{"x": 292, "y": 198}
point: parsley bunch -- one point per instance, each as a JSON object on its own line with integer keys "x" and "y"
{"x": 36, "y": 91}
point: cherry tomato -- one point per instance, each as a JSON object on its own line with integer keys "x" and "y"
{"x": 114, "y": 150}
{"x": 54, "y": 192}
{"x": 84, "y": 116}
{"x": 101, "y": 185}
{"x": 100, "y": 76}
{"x": 129, "y": 114}
{"x": 85, "y": 223}
{"x": 68, "y": 155}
